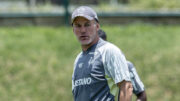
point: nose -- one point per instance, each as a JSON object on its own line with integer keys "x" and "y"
{"x": 83, "y": 29}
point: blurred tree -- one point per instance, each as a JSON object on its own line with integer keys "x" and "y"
{"x": 84, "y": 2}
{"x": 31, "y": 2}
{"x": 66, "y": 4}
{"x": 113, "y": 2}
{"x": 57, "y": 2}
{"x": 35, "y": 2}
{"x": 42, "y": 1}
{"x": 124, "y": 1}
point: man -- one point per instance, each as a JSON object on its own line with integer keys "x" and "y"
{"x": 138, "y": 86}
{"x": 100, "y": 70}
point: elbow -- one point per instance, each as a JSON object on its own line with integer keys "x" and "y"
{"x": 126, "y": 91}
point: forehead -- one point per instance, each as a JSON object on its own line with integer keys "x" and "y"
{"x": 81, "y": 20}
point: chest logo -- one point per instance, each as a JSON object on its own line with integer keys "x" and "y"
{"x": 80, "y": 65}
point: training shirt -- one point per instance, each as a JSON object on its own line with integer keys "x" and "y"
{"x": 97, "y": 71}
{"x": 138, "y": 86}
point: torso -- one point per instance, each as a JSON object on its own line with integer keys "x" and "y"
{"x": 89, "y": 79}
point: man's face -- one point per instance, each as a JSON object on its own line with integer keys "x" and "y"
{"x": 85, "y": 30}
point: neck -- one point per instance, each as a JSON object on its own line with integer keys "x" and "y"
{"x": 85, "y": 47}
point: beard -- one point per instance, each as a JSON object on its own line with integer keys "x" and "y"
{"x": 87, "y": 40}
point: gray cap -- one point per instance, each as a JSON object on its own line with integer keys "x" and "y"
{"x": 84, "y": 11}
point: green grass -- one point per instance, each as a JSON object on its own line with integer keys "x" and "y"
{"x": 140, "y": 5}
{"x": 163, "y": 5}
{"x": 36, "y": 63}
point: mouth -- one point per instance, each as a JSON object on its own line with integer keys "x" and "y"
{"x": 84, "y": 37}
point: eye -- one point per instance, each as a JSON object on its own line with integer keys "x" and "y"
{"x": 87, "y": 24}
{"x": 77, "y": 25}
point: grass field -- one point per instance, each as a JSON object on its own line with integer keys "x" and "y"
{"x": 36, "y": 62}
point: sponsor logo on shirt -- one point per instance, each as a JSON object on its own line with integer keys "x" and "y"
{"x": 84, "y": 81}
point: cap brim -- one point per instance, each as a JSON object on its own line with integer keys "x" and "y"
{"x": 82, "y": 15}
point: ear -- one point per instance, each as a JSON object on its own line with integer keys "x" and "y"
{"x": 97, "y": 26}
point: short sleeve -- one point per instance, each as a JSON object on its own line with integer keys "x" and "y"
{"x": 138, "y": 85}
{"x": 116, "y": 65}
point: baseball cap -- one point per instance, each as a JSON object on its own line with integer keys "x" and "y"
{"x": 84, "y": 11}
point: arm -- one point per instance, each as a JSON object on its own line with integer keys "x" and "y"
{"x": 125, "y": 91}
{"x": 141, "y": 96}
{"x": 116, "y": 66}
{"x": 138, "y": 86}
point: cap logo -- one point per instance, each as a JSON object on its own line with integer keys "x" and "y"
{"x": 80, "y": 10}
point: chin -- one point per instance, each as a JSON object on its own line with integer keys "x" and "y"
{"x": 85, "y": 42}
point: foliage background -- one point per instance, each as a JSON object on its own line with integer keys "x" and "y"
{"x": 36, "y": 63}
{"x": 20, "y": 6}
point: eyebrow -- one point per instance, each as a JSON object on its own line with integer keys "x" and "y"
{"x": 87, "y": 22}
